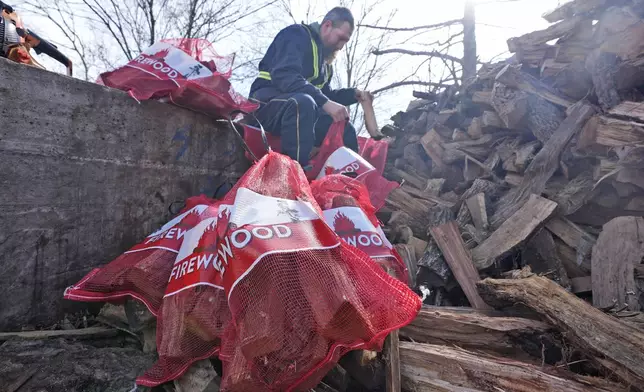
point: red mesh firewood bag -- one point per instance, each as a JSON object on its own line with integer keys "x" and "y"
{"x": 334, "y": 158}
{"x": 143, "y": 271}
{"x": 299, "y": 296}
{"x": 195, "y": 310}
{"x": 348, "y": 210}
{"x": 187, "y": 72}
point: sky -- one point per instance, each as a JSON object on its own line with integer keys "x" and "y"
{"x": 497, "y": 21}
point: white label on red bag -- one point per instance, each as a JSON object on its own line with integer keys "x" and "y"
{"x": 220, "y": 251}
{"x": 355, "y": 228}
{"x": 168, "y": 62}
{"x": 171, "y": 235}
{"x": 344, "y": 160}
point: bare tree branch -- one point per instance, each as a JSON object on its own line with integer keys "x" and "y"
{"x": 418, "y": 53}
{"x": 427, "y": 27}
{"x": 411, "y": 83}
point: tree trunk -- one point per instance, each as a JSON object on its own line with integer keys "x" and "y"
{"x": 469, "y": 42}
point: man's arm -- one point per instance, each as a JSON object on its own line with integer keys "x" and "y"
{"x": 343, "y": 96}
{"x": 286, "y": 74}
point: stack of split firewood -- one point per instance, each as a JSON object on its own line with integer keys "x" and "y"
{"x": 524, "y": 191}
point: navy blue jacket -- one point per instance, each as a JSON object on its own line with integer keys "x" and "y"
{"x": 289, "y": 66}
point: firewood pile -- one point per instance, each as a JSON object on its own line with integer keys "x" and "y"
{"x": 524, "y": 191}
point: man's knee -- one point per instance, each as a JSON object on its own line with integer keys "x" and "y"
{"x": 304, "y": 102}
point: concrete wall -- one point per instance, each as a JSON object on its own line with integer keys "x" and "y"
{"x": 85, "y": 173}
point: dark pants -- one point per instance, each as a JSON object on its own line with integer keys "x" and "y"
{"x": 300, "y": 123}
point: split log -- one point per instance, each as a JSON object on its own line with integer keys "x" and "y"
{"x": 478, "y": 209}
{"x": 486, "y": 330}
{"x": 403, "y": 201}
{"x": 575, "y": 7}
{"x": 408, "y": 255}
{"x": 605, "y": 132}
{"x": 541, "y": 255}
{"x": 630, "y": 110}
{"x": 475, "y": 130}
{"x": 582, "y": 285}
{"x": 478, "y": 148}
{"x": 459, "y": 135}
{"x": 395, "y": 174}
{"x": 472, "y": 171}
{"x": 514, "y": 179}
{"x": 568, "y": 257}
{"x": 543, "y": 166}
{"x": 576, "y": 238}
{"x": 519, "y": 109}
{"x": 446, "y": 234}
{"x": 511, "y": 76}
{"x": 521, "y": 157}
{"x": 534, "y": 55}
{"x": 510, "y": 104}
{"x": 567, "y": 231}
{"x": 392, "y": 359}
{"x": 589, "y": 328}
{"x": 631, "y": 176}
{"x": 636, "y": 204}
{"x": 491, "y": 189}
{"x": 433, "y": 200}
{"x": 415, "y": 155}
{"x": 435, "y": 186}
{"x": 514, "y": 231}
{"x": 621, "y": 32}
{"x": 618, "y": 250}
{"x": 551, "y": 68}
{"x": 418, "y": 223}
{"x": 436, "y": 270}
{"x": 603, "y": 68}
{"x": 431, "y": 142}
{"x": 573, "y": 80}
{"x": 428, "y": 367}
{"x": 482, "y": 98}
{"x": 595, "y": 215}
{"x": 541, "y": 37}
{"x": 575, "y": 193}
{"x": 83, "y": 333}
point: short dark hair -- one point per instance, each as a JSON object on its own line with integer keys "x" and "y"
{"x": 338, "y": 16}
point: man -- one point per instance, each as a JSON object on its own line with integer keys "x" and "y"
{"x": 292, "y": 89}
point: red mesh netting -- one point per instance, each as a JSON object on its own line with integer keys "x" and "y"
{"x": 142, "y": 272}
{"x": 374, "y": 151}
{"x": 195, "y": 311}
{"x": 298, "y": 296}
{"x": 334, "y": 158}
{"x": 187, "y": 72}
{"x": 348, "y": 210}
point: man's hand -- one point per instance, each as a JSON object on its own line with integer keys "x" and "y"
{"x": 362, "y": 96}
{"x": 336, "y": 111}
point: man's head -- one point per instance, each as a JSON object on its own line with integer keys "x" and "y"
{"x": 336, "y": 29}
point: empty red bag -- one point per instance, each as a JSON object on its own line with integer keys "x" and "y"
{"x": 142, "y": 272}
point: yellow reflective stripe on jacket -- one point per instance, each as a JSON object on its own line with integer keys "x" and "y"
{"x": 264, "y": 75}
{"x": 314, "y": 46}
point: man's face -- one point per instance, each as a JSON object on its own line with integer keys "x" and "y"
{"x": 334, "y": 38}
